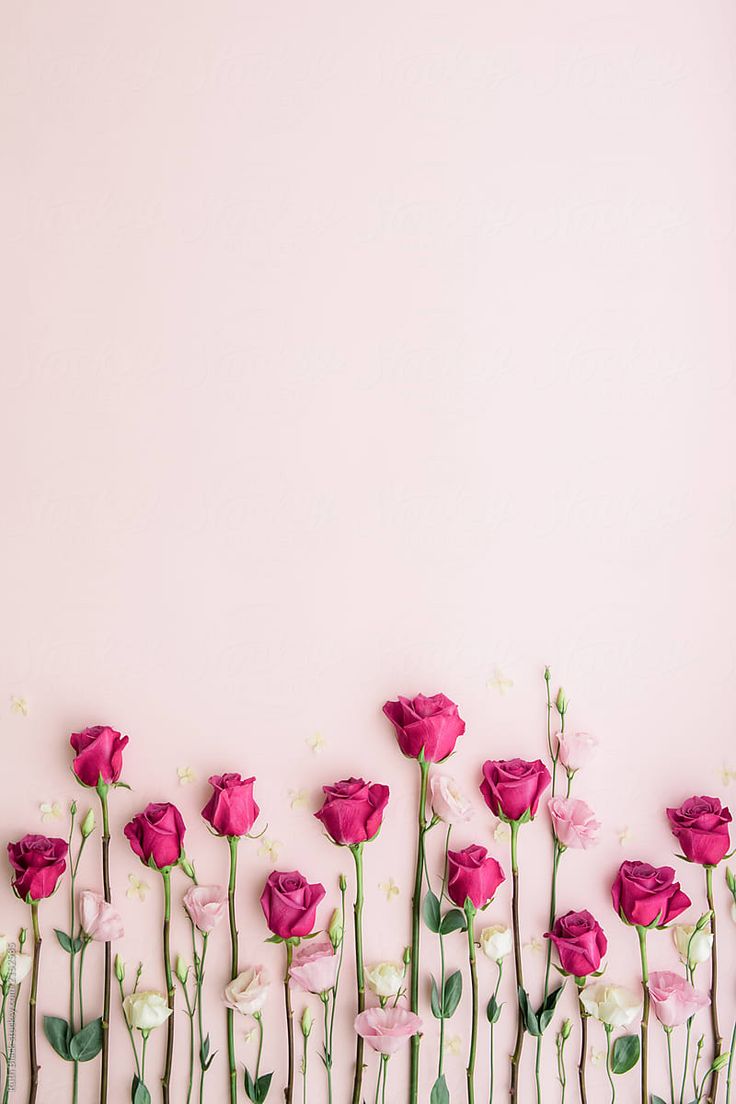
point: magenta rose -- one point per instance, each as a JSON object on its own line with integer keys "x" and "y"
{"x": 231, "y": 810}
{"x": 157, "y": 835}
{"x": 580, "y": 942}
{"x": 38, "y": 862}
{"x": 473, "y": 875}
{"x": 700, "y": 826}
{"x": 430, "y": 725}
{"x": 353, "y": 810}
{"x": 99, "y": 755}
{"x": 512, "y": 787}
{"x": 290, "y": 903}
{"x": 643, "y": 894}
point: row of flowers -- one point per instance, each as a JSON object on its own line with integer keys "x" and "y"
{"x": 645, "y": 897}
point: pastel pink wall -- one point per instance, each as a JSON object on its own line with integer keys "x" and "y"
{"x": 353, "y": 350}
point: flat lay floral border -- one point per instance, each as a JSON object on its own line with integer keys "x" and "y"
{"x": 384, "y": 999}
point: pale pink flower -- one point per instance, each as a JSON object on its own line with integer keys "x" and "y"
{"x": 314, "y": 967}
{"x": 574, "y": 822}
{"x": 206, "y": 905}
{"x": 387, "y": 1029}
{"x": 575, "y": 748}
{"x": 99, "y": 919}
{"x": 247, "y": 993}
{"x": 449, "y": 803}
{"x": 674, "y": 999}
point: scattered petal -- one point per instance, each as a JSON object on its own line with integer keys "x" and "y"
{"x": 597, "y": 1056}
{"x": 501, "y": 833}
{"x": 270, "y": 849}
{"x": 390, "y": 889}
{"x": 624, "y": 834}
{"x": 728, "y": 775}
{"x": 316, "y": 743}
{"x": 298, "y": 799}
{"x": 186, "y": 776}
{"x": 51, "y": 810}
{"x": 500, "y": 682}
{"x": 454, "y": 1045}
{"x": 535, "y": 945}
{"x": 19, "y": 705}
{"x": 137, "y": 888}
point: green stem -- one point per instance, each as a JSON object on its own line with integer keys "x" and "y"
{"x": 107, "y": 974}
{"x": 499, "y": 965}
{"x": 33, "y": 1000}
{"x": 416, "y": 928}
{"x": 143, "y": 1056}
{"x": 289, "y": 1094}
{"x": 166, "y": 1078}
{"x": 199, "y": 977}
{"x": 715, "y": 1029}
{"x": 339, "y": 961}
{"x": 233, "y": 842}
{"x": 609, "y": 1072}
{"x": 131, "y": 1036}
{"x": 357, "y": 850}
{"x": 470, "y": 1072}
{"x": 730, "y": 1065}
{"x": 73, "y": 865}
{"x": 85, "y": 943}
{"x": 305, "y": 1038}
{"x": 688, "y": 1032}
{"x": 518, "y": 964}
{"x": 325, "y": 998}
{"x": 259, "y": 1020}
{"x": 191, "y": 1012}
{"x": 441, "y": 1056}
{"x": 384, "y": 1063}
{"x": 668, "y": 1033}
{"x": 561, "y": 1075}
{"x": 642, "y": 934}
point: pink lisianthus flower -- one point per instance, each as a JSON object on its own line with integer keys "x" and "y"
{"x": 205, "y": 905}
{"x": 99, "y": 920}
{"x": 386, "y": 1030}
{"x": 574, "y": 822}
{"x": 674, "y": 999}
{"x": 314, "y": 966}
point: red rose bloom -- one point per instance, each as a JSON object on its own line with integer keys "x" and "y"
{"x": 642, "y": 894}
{"x": 474, "y": 875}
{"x": 289, "y": 904}
{"x": 38, "y": 863}
{"x": 429, "y": 725}
{"x": 580, "y": 942}
{"x": 99, "y": 755}
{"x": 512, "y": 788}
{"x": 157, "y": 835}
{"x": 700, "y": 826}
{"x": 231, "y": 810}
{"x": 353, "y": 810}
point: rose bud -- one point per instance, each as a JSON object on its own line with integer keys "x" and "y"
{"x": 231, "y": 810}
{"x": 580, "y": 943}
{"x": 157, "y": 835}
{"x": 512, "y": 788}
{"x": 473, "y": 875}
{"x": 427, "y": 727}
{"x": 99, "y": 920}
{"x": 290, "y": 903}
{"x": 38, "y": 863}
{"x": 206, "y": 905}
{"x": 99, "y": 755}
{"x": 386, "y": 1030}
{"x": 674, "y": 1000}
{"x": 353, "y": 810}
{"x": 314, "y": 966}
{"x": 647, "y": 896}
{"x": 146, "y": 1010}
{"x": 700, "y": 826}
{"x": 248, "y": 992}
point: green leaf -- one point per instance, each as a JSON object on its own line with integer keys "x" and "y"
{"x": 263, "y": 1084}
{"x": 56, "y": 1031}
{"x": 625, "y": 1053}
{"x": 493, "y": 1011}
{"x": 546, "y": 1010}
{"x": 87, "y": 1043}
{"x": 453, "y": 992}
{"x": 435, "y": 1001}
{"x": 440, "y": 1093}
{"x": 65, "y": 942}
{"x": 274, "y": 939}
{"x": 653, "y": 1099}
{"x": 431, "y": 912}
{"x": 139, "y": 1093}
{"x": 250, "y": 1088}
{"x": 527, "y": 1014}
{"x": 452, "y": 921}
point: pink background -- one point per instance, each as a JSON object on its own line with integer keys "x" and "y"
{"x": 354, "y": 350}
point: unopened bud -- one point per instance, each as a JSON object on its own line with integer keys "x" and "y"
{"x": 704, "y": 921}
{"x": 187, "y": 867}
{"x": 22, "y": 936}
{"x": 88, "y": 824}
{"x": 73, "y": 808}
{"x": 335, "y": 930}
{"x": 182, "y": 970}
{"x": 342, "y": 883}
{"x": 566, "y": 1029}
{"x": 119, "y": 968}
{"x": 307, "y": 1021}
{"x": 561, "y": 702}
{"x": 407, "y": 956}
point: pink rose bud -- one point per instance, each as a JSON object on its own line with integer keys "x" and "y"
{"x": 157, "y": 835}
{"x": 290, "y": 903}
{"x": 473, "y": 875}
{"x": 99, "y": 755}
{"x": 449, "y": 803}
{"x": 700, "y": 826}
{"x": 575, "y": 749}
{"x": 674, "y": 999}
{"x": 580, "y": 943}
{"x": 386, "y": 1030}
{"x": 99, "y": 920}
{"x": 353, "y": 810}
{"x": 38, "y": 863}
{"x": 206, "y": 905}
{"x": 231, "y": 810}
{"x": 574, "y": 822}
{"x": 429, "y": 725}
{"x": 512, "y": 788}
{"x": 314, "y": 966}
{"x": 643, "y": 894}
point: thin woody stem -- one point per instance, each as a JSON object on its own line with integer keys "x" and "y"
{"x": 107, "y": 974}
{"x": 518, "y": 965}
{"x": 715, "y": 1029}
{"x": 32, "y": 1052}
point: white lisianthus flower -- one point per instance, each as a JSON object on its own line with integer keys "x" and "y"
{"x": 612, "y": 1005}
{"x": 496, "y": 942}
{"x": 385, "y": 978}
{"x": 14, "y": 967}
{"x": 146, "y": 1010}
{"x": 449, "y": 802}
{"x": 248, "y": 993}
{"x": 700, "y": 944}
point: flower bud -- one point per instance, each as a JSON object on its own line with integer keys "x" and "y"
{"x": 181, "y": 970}
{"x": 694, "y": 944}
{"x": 187, "y": 867}
{"x": 119, "y": 968}
{"x": 566, "y": 1029}
{"x": 342, "y": 883}
{"x": 5, "y": 964}
{"x": 73, "y": 808}
{"x": 561, "y": 702}
{"x": 307, "y": 1020}
{"x": 22, "y": 936}
{"x": 407, "y": 958}
{"x": 335, "y": 930}
{"x": 88, "y": 824}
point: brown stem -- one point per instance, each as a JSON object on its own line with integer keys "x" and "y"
{"x": 518, "y": 966}
{"x": 357, "y": 850}
{"x": 583, "y": 1052}
{"x": 716, "y": 1031}
{"x": 105, "y": 1055}
{"x": 166, "y": 1078}
{"x": 289, "y": 1091}
{"x": 642, "y": 934}
{"x": 32, "y": 1053}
